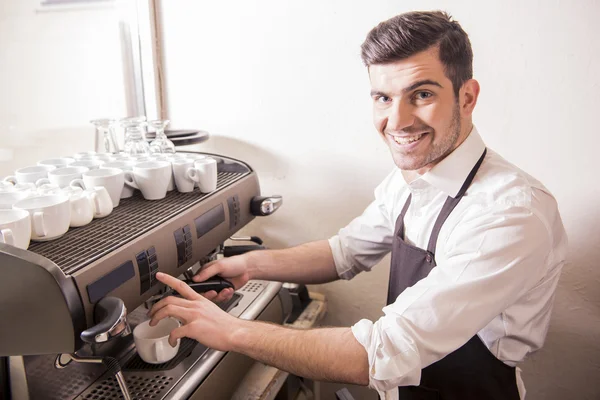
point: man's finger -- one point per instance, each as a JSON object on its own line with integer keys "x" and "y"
{"x": 180, "y": 286}
{"x": 177, "y": 334}
{"x": 208, "y": 271}
{"x": 210, "y": 295}
{"x": 223, "y": 295}
{"x": 178, "y": 301}
{"x": 177, "y": 312}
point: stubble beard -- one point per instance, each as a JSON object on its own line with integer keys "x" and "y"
{"x": 437, "y": 151}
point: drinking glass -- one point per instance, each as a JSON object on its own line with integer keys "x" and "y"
{"x": 135, "y": 143}
{"x": 104, "y": 140}
{"x": 161, "y": 144}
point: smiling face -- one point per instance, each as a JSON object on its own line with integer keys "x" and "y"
{"x": 416, "y": 111}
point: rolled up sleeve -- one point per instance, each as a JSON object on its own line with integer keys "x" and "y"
{"x": 489, "y": 260}
{"x": 366, "y": 239}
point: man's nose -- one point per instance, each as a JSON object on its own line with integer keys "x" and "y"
{"x": 400, "y": 116}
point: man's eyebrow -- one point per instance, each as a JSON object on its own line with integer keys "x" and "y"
{"x": 421, "y": 83}
{"x": 409, "y": 88}
{"x": 378, "y": 93}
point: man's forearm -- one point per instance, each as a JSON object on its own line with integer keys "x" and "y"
{"x": 327, "y": 354}
{"x": 310, "y": 263}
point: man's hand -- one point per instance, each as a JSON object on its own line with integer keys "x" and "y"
{"x": 234, "y": 269}
{"x": 201, "y": 319}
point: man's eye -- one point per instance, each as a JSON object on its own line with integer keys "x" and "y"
{"x": 422, "y": 95}
{"x": 382, "y": 99}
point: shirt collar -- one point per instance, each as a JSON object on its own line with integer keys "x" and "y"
{"x": 449, "y": 174}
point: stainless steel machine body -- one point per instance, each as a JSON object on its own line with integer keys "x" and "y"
{"x": 48, "y": 293}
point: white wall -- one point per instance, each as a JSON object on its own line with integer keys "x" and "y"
{"x": 58, "y": 70}
{"x": 280, "y": 84}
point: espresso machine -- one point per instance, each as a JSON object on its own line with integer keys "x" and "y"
{"x": 68, "y": 306}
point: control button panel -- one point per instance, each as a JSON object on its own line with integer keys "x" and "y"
{"x": 183, "y": 242}
{"x": 233, "y": 203}
{"x": 147, "y": 262}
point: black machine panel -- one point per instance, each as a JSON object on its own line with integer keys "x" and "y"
{"x": 115, "y": 278}
{"x": 209, "y": 220}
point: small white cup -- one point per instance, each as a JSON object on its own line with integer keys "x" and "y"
{"x": 120, "y": 157}
{"x": 6, "y": 186}
{"x": 152, "y": 342}
{"x": 57, "y": 162}
{"x": 106, "y": 157}
{"x": 82, "y": 206}
{"x": 8, "y": 199}
{"x": 103, "y": 204}
{"x": 151, "y": 178}
{"x": 177, "y": 156}
{"x": 50, "y": 215}
{"x": 30, "y": 174}
{"x": 22, "y": 187}
{"x": 205, "y": 174}
{"x": 91, "y": 163}
{"x": 84, "y": 155}
{"x": 15, "y": 228}
{"x": 111, "y": 178}
{"x": 182, "y": 171}
{"x": 62, "y": 177}
{"x": 123, "y": 165}
{"x": 48, "y": 188}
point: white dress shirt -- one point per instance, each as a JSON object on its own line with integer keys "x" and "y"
{"x": 499, "y": 256}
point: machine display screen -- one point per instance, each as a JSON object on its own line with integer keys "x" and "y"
{"x": 109, "y": 282}
{"x": 209, "y": 220}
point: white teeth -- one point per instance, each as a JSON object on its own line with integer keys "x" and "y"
{"x": 407, "y": 140}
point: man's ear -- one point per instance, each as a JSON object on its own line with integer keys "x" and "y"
{"x": 468, "y": 94}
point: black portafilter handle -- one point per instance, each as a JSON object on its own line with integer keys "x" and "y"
{"x": 230, "y": 251}
{"x": 110, "y": 318}
{"x": 215, "y": 283}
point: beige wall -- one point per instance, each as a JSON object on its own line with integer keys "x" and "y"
{"x": 280, "y": 84}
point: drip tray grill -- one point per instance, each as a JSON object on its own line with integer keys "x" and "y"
{"x": 133, "y": 217}
{"x": 185, "y": 349}
{"x": 140, "y": 388}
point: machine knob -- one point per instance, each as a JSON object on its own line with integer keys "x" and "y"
{"x": 265, "y": 205}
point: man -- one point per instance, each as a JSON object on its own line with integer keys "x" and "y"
{"x": 477, "y": 245}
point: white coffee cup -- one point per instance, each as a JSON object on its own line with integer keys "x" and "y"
{"x": 6, "y": 186}
{"x": 205, "y": 174}
{"x": 21, "y": 187}
{"x": 50, "y": 215}
{"x": 48, "y": 188}
{"x": 15, "y": 228}
{"x": 120, "y": 157}
{"x": 181, "y": 171}
{"x": 84, "y": 155}
{"x": 30, "y": 174}
{"x": 57, "y": 162}
{"x": 176, "y": 156}
{"x": 111, "y": 178}
{"x": 92, "y": 163}
{"x": 152, "y": 342}
{"x": 151, "y": 178}
{"x": 63, "y": 177}
{"x": 103, "y": 204}
{"x": 123, "y": 165}
{"x": 106, "y": 157}
{"x": 8, "y": 199}
{"x": 82, "y": 206}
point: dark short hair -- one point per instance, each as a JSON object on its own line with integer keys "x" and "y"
{"x": 413, "y": 32}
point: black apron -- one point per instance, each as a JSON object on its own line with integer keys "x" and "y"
{"x": 470, "y": 373}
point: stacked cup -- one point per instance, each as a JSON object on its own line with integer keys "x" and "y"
{"x": 41, "y": 202}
